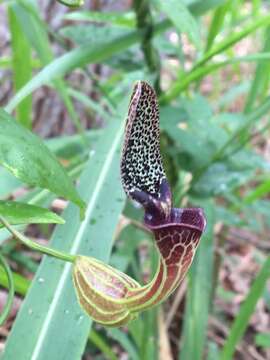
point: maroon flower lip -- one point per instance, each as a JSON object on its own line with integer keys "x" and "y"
{"x": 192, "y": 218}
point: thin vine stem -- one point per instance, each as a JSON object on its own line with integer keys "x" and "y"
{"x": 35, "y": 246}
{"x": 11, "y": 290}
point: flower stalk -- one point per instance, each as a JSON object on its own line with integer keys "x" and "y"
{"x": 35, "y": 246}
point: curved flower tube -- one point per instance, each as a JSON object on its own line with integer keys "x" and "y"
{"x": 109, "y": 296}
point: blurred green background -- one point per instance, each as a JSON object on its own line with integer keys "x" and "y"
{"x": 67, "y": 74}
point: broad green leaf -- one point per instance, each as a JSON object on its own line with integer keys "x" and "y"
{"x": 35, "y": 333}
{"x": 199, "y": 292}
{"x": 20, "y": 213}
{"x": 246, "y": 310}
{"x": 182, "y": 19}
{"x": 221, "y": 178}
{"x": 91, "y": 34}
{"x": 27, "y": 158}
{"x": 8, "y": 183}
{"x": 21, "y": 66}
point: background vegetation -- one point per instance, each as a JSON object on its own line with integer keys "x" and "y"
{"x": 66, "y": 74}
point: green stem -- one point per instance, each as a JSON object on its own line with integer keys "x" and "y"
{"x": 35, "y": 246}
{"x": 10, "y": 298}
{"x": 146, "y": 26}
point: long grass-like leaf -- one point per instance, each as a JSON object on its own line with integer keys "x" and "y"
{"x": 261, "y": 79}
{"x": 260, "y": 191}
{"x": 21, "y": 284}
{"x": 216, "y": 24}
{"x": 199, "y": 294}
{"x": 101, "y": 344}
{"x": 225, "y": 44}
{"x": 241, "y": 322}
{"x": 76, "y": 58}
{"x": 7, "y": 307}
{"x": 56, "y": 328}
{"x": 21, "y": 66}
{"x": 35, "y": 31}
{"x": 182, "y": 19}
{"x": 200, "y": 72}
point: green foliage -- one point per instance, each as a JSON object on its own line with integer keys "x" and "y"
{"x": 214, "y": 127}
{"x": 182, "y": 19}
{"x": 19, "y": 213}
{"x": 246, "y": 310}
{"x": 22, "y": 70}
{"x": 7, "y": 308}
{"x": 53, "y": 282}
{"x": 27, "y": 158}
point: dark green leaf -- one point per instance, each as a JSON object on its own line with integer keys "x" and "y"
{"x": 27, "y": 158}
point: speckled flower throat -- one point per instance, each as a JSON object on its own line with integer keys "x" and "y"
{"x": 109, "y": 296}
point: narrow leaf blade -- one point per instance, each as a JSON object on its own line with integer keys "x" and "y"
{"x": 21, "y": 64}
{"x": 58, "y": 321}
{"x": 246, "y": 310}
{"x": 181, "y": 17}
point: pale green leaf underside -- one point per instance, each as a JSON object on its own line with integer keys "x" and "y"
{"x": 20, "y": 213}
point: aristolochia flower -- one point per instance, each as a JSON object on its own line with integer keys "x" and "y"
{"x": 109, "y": 296}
